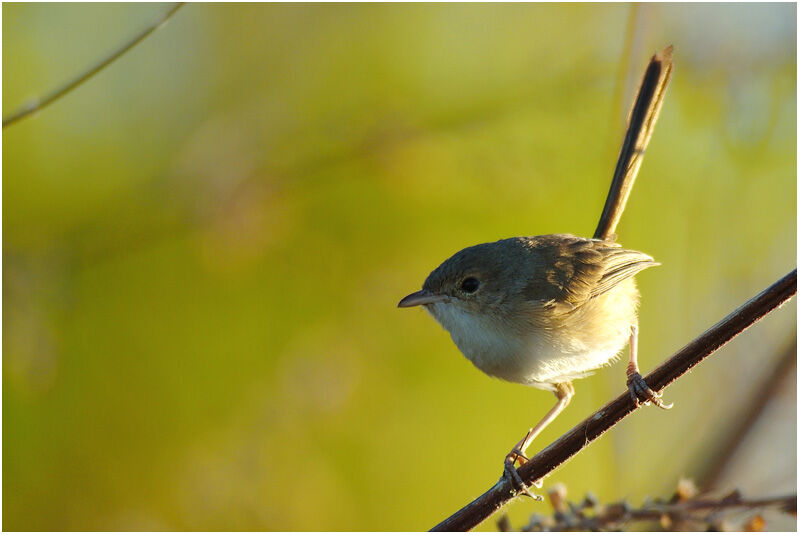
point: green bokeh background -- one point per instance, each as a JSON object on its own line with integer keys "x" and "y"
{"x": 204, "y": 245}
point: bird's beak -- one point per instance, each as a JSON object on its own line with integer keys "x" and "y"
{"x": 422, "y": 297}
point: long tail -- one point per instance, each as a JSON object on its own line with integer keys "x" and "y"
{"x": 641, "y": 122}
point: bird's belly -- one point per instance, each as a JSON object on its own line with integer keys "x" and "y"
{"x": 552, "y": 364}
{"x": 540, "y": 362}
{"x": 545, "y": 354}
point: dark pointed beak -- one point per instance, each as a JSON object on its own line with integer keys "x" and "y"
{"x": 422, "y": 297}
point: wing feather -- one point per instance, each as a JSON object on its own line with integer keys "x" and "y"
{"x": 580, "y": 269}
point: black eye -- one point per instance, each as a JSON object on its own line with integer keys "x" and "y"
{"x": 470, "y": 284}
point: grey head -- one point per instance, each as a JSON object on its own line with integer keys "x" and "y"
{"x": 481, "y": 277}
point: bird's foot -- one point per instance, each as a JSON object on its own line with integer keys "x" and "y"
{"x": 641, "y": 393}
{"x": 510, "y": 472}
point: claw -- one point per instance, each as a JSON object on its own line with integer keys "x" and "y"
{"x": 511, "y": 473}
{"x": 641, "y": 393}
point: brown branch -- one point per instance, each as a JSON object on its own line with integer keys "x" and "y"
{"x": 679, "y": 513}
{"x": 37, "y": 104}
{"x": 604, "y": 419}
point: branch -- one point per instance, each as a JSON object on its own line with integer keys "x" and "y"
{"x": 682, "y": 512}
{"x": 604, "y": 419}
{"x": 37, "y": 104}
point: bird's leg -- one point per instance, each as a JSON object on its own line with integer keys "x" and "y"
{"x": 564, "y": 393}
{"x": 639, "y": 390}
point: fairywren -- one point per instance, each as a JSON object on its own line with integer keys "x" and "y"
{"x": 544, "y": 310}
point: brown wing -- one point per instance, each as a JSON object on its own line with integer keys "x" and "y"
{"x": 576, "y": 270}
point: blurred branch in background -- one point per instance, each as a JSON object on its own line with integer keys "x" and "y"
{"x": 749, "y": 415}
{"x": 36, "y": 104}
{"x": 608, "y": 416}
{"x": 685, "y": 510}
{"x": 618, "y": 120}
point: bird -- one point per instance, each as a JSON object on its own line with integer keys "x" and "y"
{"x": 545, "y": 310}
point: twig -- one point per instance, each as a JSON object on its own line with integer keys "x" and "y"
{"x": 747, "y": 418}
{"x": 37, "y": 104}
{"x": 618, "y": 120}
{"x": 604, "y": 419}
{"x": 680, "y": 513}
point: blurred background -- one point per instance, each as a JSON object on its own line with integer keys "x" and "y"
{"x": 204, "y": 246}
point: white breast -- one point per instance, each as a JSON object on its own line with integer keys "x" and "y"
{"x": 481, "y": 341}
{"x": 534, "y": 357}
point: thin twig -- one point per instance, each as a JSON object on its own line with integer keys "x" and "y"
{"x": 604, "y": 419}
{"x": 618, "y": 120}
{"x": 689, "y": 513}
{"x": 784, "y": 503}
{"x": 712, "y": 470}
{"x": 37, "y": 104}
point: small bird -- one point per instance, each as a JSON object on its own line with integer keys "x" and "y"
{"x": 544, "y": 310}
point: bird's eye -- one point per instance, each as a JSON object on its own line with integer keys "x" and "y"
{"x": 470, "y": 285}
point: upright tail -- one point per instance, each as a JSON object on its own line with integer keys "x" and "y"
{"x": 641, "y": 121}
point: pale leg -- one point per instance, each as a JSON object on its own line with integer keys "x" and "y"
{"x": 636, "y": 384}
{"x": 564, "y": 393}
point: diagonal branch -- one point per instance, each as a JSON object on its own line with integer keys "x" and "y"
{"x": 604, "y": 419}
{"x": 37, "y": 104}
